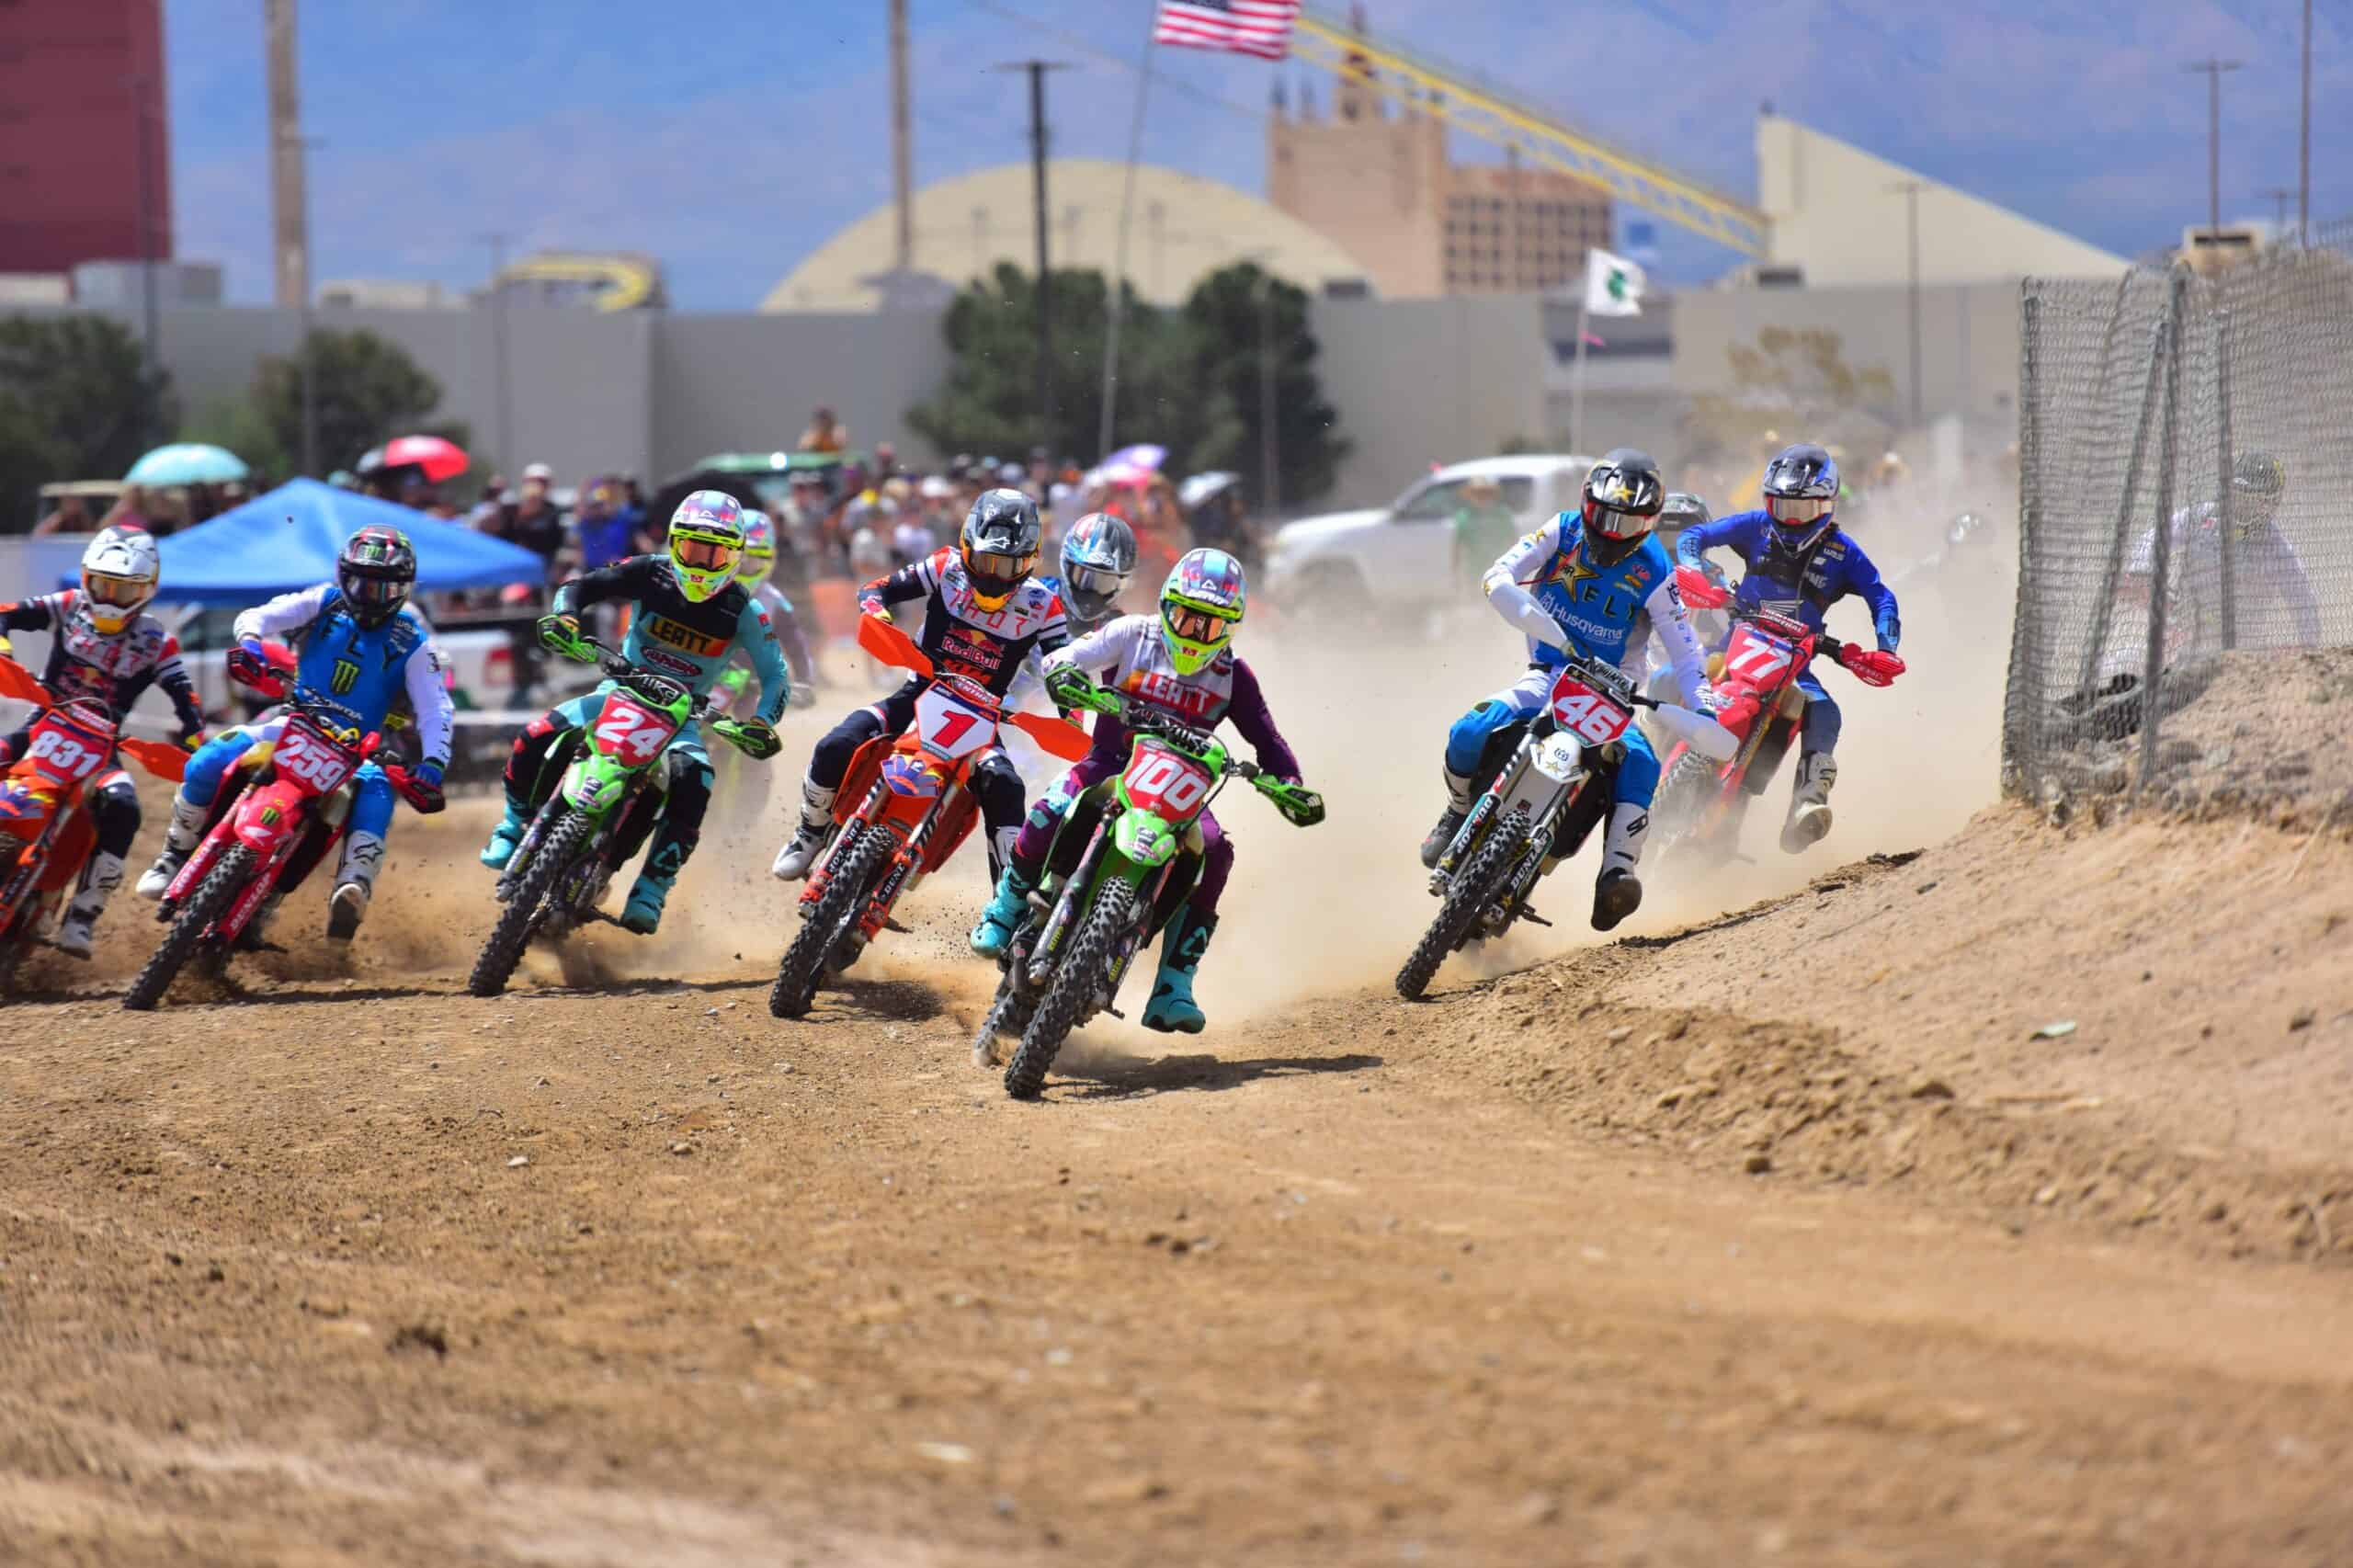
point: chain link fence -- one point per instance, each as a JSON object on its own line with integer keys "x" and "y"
{"x": 2186, "y": 552}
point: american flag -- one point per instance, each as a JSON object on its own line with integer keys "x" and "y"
{"x": 1245, "y": 26}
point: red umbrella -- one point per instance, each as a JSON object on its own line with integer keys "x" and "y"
{"x": 441, "y": 460}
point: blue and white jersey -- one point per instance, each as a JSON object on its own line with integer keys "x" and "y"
{"x": 1799, "y": 584}
{"x": 358, "y": 671}
{"x": 1604, "y": 612}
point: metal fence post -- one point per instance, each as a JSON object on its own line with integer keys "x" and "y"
{"x": 2017, "y": 745}
{"x": 2161, "y": 554}
{"x": 2104, "y": 602}
{"x": 2226, "y": 540}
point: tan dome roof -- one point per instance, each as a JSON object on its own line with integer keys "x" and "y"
{"x": 1184, "y": 228}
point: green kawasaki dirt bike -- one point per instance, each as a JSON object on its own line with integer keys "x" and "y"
{"x": 1539, "y": 807}
{"x": 1106, "y": 896}
{"x": 610, "y": 795}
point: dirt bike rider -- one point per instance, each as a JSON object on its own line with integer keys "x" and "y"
{"x": 361, "y": 648}
{"x": 103, "y": 645}
{"x": 1099, "y": 556}
{"x": 1181, "y": 661}
{"x": 759, "y": 561}
{"x": 687, "y": 614}
{"x": 985, "y": 617}
{"x": 2268, "y": 573}
{"x": 1594, "y": 583}
{"x": 1800, "y": 563}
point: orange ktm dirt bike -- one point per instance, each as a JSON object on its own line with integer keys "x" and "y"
{"x": 46, "y": 833}
{"x": 904, "y": 806}
{"x": 279, "y": 811}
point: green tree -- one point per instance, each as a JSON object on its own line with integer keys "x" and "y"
{"x": 367, "y": 390}
{"x": 76, "y": 401}
{"x": 1234, "y": 319}
{"x": 236, "y": 424}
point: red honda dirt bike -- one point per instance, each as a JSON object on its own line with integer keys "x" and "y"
{"x": 271, "y": 824}
{"x": 904, "y": 805}
{"x": 46, "y": 833}
{"x": 1700, "y": 803}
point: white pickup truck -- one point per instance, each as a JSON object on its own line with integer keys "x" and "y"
{"x": 1402, "y": 555}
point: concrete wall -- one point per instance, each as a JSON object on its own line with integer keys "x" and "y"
{"x": 1423, "y": 381}
{"x": 749, "y": 382}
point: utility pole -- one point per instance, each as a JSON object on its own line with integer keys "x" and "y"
{"x": 903, "y": 185}
{"x": 139, "y": 89}
{"x": 499, "y": 411}
{"x": 290, "y": 207}
{"x": 309, "y": 351}
{"x": 2304, "y": 142}
{"x": 1910, "y": 190}
{"x": 1037, "y": 69}
{"x": 1270, "y": 455}
{"x": 2279, "y": 194}
{"x": 2213, "y": 68}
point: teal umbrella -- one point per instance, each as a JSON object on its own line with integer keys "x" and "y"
{"x": 187, "y": 462}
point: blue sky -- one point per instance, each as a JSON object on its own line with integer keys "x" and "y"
{"x": 729, "y": 138}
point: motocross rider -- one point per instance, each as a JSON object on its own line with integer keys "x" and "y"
{"x": 1180, "y": 660}
{"x": 103, "y": 646}
{"x": 1800, "y": 563}
{"x": 2268, "y": 573}
{"x": 687, "y": 614}
{"x": 985, "y": 617}
{"x": 759, "y": 561}
{"x": 1099, "y": 556}
{"x": 361, "y": 647}
{"x": 1595, "y": 583}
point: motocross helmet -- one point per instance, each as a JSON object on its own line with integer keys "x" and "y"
{"x": 759, "y": 548}
{"x": 1098, "y": 554}
{"x": 706, "y": 543}
{"x": 1622, "y": 498}
{"x": 2258, "y": 484}
{"x": 1201, "y": 605}
{"x": 376, "y": 571}
{"x": 1801, "y": 491}
{"x": 999, "y": 545}
{"x": 119, "y": 571}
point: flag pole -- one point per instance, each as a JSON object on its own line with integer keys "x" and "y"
{"x": 1576, "y": 376}
{"x": 1118, "y": 300}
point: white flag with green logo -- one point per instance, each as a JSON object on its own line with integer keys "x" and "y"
{"x": 1613, "y": 286}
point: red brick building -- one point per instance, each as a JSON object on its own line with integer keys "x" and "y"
{"x": 81, "y": 87}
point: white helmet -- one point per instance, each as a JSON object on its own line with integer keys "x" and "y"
{"x": 120, "y": 573}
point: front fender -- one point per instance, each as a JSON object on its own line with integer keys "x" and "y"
{"x": 1146, "y": 839}
{"x": 595, "y": 784}
{"x": 267, "y": 815}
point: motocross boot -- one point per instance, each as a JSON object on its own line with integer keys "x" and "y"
{"x": 1618, "y": 892}
{"x": 998, "y": 921}
{"x": 507, "y": 835}
{"x": 355, "y": 883}
{"x": 99, "y": 879}
{"x": 1172, "y": 1009}
{"x": 1450, "y": 820}
{"x": 808, "y": 841}
{"x": 180, "y": 839}
{"x": 642, "y": 913}
{"x": 1810, "y": 802}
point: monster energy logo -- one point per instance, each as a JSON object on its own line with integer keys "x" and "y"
{"x": 346, "y": 677}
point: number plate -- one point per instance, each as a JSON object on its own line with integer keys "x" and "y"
{"x": 1165, "y": 782}
{"x": 65, "y": 756}
{"x": 952, "y": 728}
{"x": 630, "y": 731}
{"x": 1756, "y": 658}
{"x": 310, "y": 759}
{"x": 1589, "y": 715}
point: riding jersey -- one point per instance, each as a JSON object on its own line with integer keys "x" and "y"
{"x": 112, "y": 668}
{"x": 2267, "y": 578}
{"x": 1549, "y": 585}
{"x": 990, "y": 646}
{"x": 681, "y": 637}
{"x": 358, "y": 671}
{"x": 1799, "y": 584}
{"x": 1129, "y": 656}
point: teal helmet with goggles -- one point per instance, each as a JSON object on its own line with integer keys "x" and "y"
{"x": 1801, "y": 492}
{"x": 999, "y": 545}
{"x": 706, "y": 543}
{"x": 1201, "y": 605}
{"x": 759, "y": 548}
{"x": 375, "y": 572}
{"x": 1624, "y": 495}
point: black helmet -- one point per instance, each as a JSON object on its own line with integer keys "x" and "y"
{"x": 1623, "y": 497}
{"x": 2258, "y": 484}
{"x": 1802, "y": 491}
{"x": 1000, "y": 544}
{"x": 376, "y": 570}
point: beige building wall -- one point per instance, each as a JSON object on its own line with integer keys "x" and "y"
{"x": 1374, "y": 185}
{"x": 1837, "y": 213}
{"x": 1512, "y": 230}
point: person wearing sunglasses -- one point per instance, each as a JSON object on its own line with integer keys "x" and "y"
{"x": 978, "y": 613}
{"x": 1800, "y": 563}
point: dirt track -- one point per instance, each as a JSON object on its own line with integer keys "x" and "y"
{"x": 357, "y": 1269}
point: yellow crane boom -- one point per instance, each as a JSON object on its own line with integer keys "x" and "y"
{"x": 1424, "y": 84}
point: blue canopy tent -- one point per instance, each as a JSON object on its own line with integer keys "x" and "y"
{"x": 289, "y": 538}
